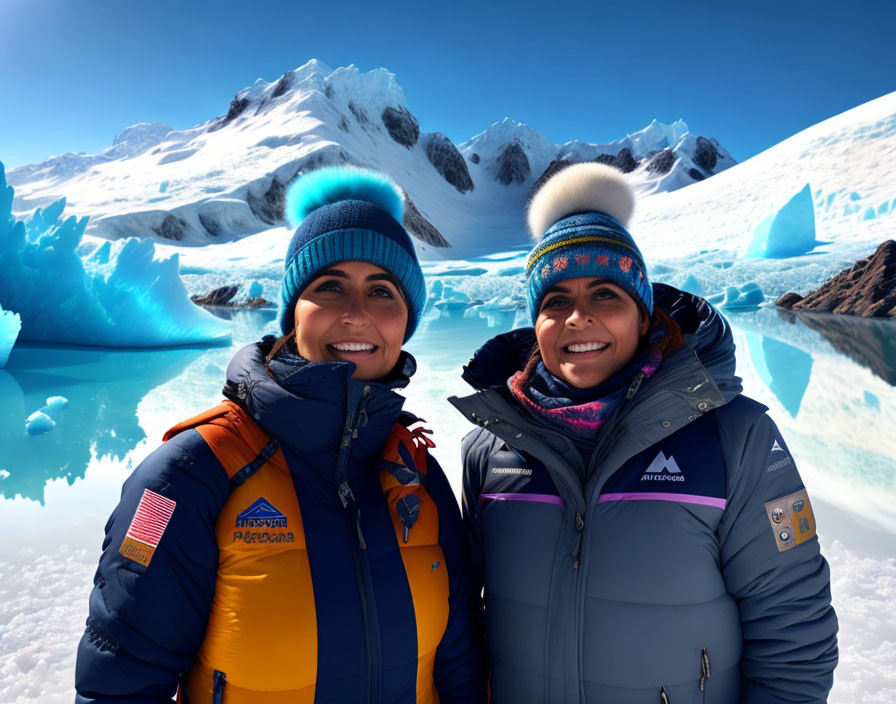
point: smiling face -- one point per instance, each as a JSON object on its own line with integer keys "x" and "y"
{"x": 352, "y": 312}
{"x": 587, "y": 330}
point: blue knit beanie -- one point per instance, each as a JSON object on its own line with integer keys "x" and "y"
{"x": 578, "y": 219}
{"x": 348, "y": 214}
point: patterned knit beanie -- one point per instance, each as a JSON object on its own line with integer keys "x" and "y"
{"x": 348, "y": 214}
{"x": 578, "y": 219}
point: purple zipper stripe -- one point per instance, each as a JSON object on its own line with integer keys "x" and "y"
{"x": 538, "y": 498}
{"x": 662, "y": 496}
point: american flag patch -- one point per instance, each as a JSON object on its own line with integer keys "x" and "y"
{"x": 149, "y": 522}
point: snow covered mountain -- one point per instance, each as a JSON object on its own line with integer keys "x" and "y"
{"x": 226, "y": 178}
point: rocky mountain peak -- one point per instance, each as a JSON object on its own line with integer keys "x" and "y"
{"x": 512, "y": 165}
{"x": 448, "y": 161}
{"x": 402, "y": 125}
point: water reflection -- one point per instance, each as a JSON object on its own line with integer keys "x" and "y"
{"x": 870, "y": 342}
{"x": 836, "y": 411}
{"x": 103, "y": 388}
{"x": 785, "y": 369}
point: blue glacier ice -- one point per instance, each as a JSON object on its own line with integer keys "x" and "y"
{"x": 787, "y": 233}
{"x": 39, "y": 423}
{"x": 256, "y": 289}
{"x": 10, "y": 324}
{"x": 118, "y": 296}
{"x": 692, "y": 285}
{"x": 747, "y": 297}
{"x": 44, "y": 419}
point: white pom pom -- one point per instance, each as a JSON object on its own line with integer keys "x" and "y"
{"x": 580, "y": 188}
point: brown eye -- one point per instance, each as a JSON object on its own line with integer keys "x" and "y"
{"x": 327, "y": 286}
{"x": 382, "y": 292}
{"x": 555, "y": 302}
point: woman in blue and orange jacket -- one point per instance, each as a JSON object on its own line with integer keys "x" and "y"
{"x": 297, "y": 543}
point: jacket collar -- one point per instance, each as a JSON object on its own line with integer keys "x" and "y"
{"x": 307, "y": 406}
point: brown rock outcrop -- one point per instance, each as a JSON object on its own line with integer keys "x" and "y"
{"x": 788, "y": 300}
{"x": 223, "y": 298}
{"x": 867, "y": 289}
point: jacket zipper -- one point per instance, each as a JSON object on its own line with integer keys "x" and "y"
{"x": 705, "y": 672}
{"x": 581, "y": 576}
{"x": 219, "y": 680}
{"x": 359, "y": 548}
{"x": 575, "y": 491}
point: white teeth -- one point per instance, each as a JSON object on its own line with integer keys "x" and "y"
{"x": 354, "y": 346}
{"x": 587, "y": 347}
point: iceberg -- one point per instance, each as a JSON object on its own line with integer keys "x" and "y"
{"x": 746, "y": 297}
{"x": 10, "y": 324}
{"x": 787, "y": 233}
{"x": 692, "y": 285}
{"x": 39, "y": 423}
{"x": 117, "y": 296}
{"x": 44, "y": 419}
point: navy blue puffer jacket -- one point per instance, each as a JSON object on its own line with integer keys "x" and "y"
{"x": 684, "y": 567}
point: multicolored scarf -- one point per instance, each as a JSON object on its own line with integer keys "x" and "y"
{"x": 583, "y": 411}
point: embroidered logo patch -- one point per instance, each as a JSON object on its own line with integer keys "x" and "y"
{"x": 146, "y": 529}
{"x": 663, "y": 469}
{"x": 791, "y": 519}
{"x": 261, "y": 514}
{"x": 780, "y": 460}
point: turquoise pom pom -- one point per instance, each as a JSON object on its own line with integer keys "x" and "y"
{"x": 334, "y": 184}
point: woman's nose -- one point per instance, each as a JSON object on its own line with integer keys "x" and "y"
{"x": 355, "y": 312}
{"x": 579, "y": 318}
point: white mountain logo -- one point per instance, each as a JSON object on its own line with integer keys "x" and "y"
{"x": 776, "y": 447}
{"x": 664, "y": 469}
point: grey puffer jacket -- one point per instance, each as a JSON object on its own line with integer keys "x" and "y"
{"x": 683, "y": 569}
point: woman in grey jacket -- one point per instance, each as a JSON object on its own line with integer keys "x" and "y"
{"x": 640, "y": 529}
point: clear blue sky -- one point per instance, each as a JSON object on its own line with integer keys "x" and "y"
{"x": 73, "y": 73}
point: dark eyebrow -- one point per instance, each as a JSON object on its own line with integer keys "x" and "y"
{"x": 556, "y": 288}
{"x": 332, "y": 272}
{"x": 385, "y": 276}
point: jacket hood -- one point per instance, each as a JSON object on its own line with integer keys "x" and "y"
{"x": 307, "y": 406}
{"x": 706, "y": 333}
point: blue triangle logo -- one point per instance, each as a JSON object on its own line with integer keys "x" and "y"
{"x": 261, "y": 514}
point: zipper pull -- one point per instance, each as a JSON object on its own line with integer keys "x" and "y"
{"x": 580, "y": 527}
{"x": 635, "y": 385}
{"x": 358, "y": 526}
{"x": 664, "y": 696}
{"x": 219, "y": 680}
{"x": 348, "y": 430}
{"x": 345, "y": 494}
{"x": 705, "y": 673}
